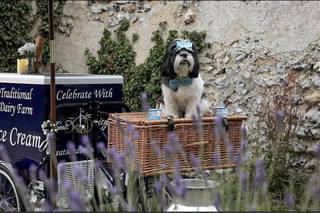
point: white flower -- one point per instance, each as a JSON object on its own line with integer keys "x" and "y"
{"x": 27, "y": 48}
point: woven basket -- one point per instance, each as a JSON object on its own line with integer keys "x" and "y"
{"x": 156, "y": 131}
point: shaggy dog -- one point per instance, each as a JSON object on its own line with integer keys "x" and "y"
{"x": 182, "y": 86}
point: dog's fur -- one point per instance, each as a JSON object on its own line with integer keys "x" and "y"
{"x": 187, "y": 100}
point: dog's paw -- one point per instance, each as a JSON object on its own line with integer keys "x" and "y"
{"x": 168, "y": 115}
{"x": 172, "y": 116}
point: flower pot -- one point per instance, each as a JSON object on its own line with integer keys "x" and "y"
{"x": 30, "y": 65}
{"x": 199, "y": 196}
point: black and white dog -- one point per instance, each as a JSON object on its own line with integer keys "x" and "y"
{"x": 182, "y": 86}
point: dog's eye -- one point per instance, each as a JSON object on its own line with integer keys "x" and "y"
{"x": 173, "y": 47}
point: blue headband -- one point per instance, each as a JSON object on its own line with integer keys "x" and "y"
{"x": 184, "y": 44}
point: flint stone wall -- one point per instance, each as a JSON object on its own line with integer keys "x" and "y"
{"x": 254, "y": 45}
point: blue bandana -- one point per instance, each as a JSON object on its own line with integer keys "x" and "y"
{"x": 174, "y": 83}
{"x": 184, "y": 44}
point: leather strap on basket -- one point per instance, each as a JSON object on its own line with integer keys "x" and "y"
{"x": 225, "y": 123}
{"x": 170, "y": 123}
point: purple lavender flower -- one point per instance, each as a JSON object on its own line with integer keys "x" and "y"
{"x": 85, "y": 140}
{"x": 46, "y": 206}
{"x": 245, "y": 132}
{"x": 42, "y": 175}
{"x": 118, "y": 160}
{"x": 196, "y": 162}
{"x": 118, "y": 121}
{"x": 19, "y": 180}
{"x": 71, "y": 147}
{"x": 144, "y": 96}
{"x": 230, "y": 151}
{"x": 133, "y": 132}
{"x": 289, "y": 200}
{"x": 163, "y": 178}
{"x": 177, "y": 169}
{"x": 76, "y": 202}
{"x": 79, "y": 173}
{"x": 158, "y": 188}
{"x": 4, "y": 205}
{"x": 144, "y": 100}
{"x": 113, "y": 188}
{"x": 163, "y": 166}
{"x": 260, "y": 177}
{"x": 50, "y": 185}
{"x": 168, "y": 149}
{"x": 243, "y": 145}
{"x": 238, "y": 160}
{"x": 4, "y": 154}
{"x": 198, "y": 120}
{"x": 243, "y": 181}
{"x": 216, "y": 159}
{"x": 66, "y": 185}
{"x": 129, "y": 148}
{"x": 316, "y": 194}
{"x": 155, "y": 147}
{"x": 131, "y": 209}
{"x": 173, "y": 146}
{"x": 84, "y": 150}
{"x": 62, "y": 167}
{"x": 129, "y": 141}
{"x": 51, "y": 136}
{"x": 33, "y": 172}
{"x": 317, "y": 151}
{"x": 135, "y": 135}
{"x": 218, "y": 201}
{"x": 172, "y": 137}
{"x": 179, "y": 188}
{"x": 101, "y": 146}
{"x": 244, "y": 141}
{"x": 219, "y": 128}
{"x": 280, "y": 115}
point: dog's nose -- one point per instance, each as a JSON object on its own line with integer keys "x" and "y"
{"x": 184, "y": 55}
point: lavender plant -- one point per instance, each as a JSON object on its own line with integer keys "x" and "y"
{"x": 247, "y": 187}
{"x": 280, "y": 116}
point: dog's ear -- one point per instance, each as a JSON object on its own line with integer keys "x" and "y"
{"x": 196, "y": 67}
{"x": 167, "y": 64}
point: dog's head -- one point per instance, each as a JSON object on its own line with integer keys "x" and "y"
{"x": 180, "y": 60}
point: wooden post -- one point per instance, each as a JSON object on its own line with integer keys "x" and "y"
{"x": 52, "y": 143}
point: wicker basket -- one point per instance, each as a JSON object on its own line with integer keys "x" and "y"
{"x": 150, "y": 163}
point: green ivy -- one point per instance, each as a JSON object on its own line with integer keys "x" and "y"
{"x": 15, "y": 25}
{"x": 135, "y": 37}
{"x": 116, "y": 56}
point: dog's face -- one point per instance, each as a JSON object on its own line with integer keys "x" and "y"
{"x": 183, "y": 63}
{"x": 180, "y": 60}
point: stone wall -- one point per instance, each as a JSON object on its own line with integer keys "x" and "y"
{"x": 254, "y": 45}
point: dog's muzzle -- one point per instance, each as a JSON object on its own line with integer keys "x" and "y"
{"x": 184, "y": 62}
